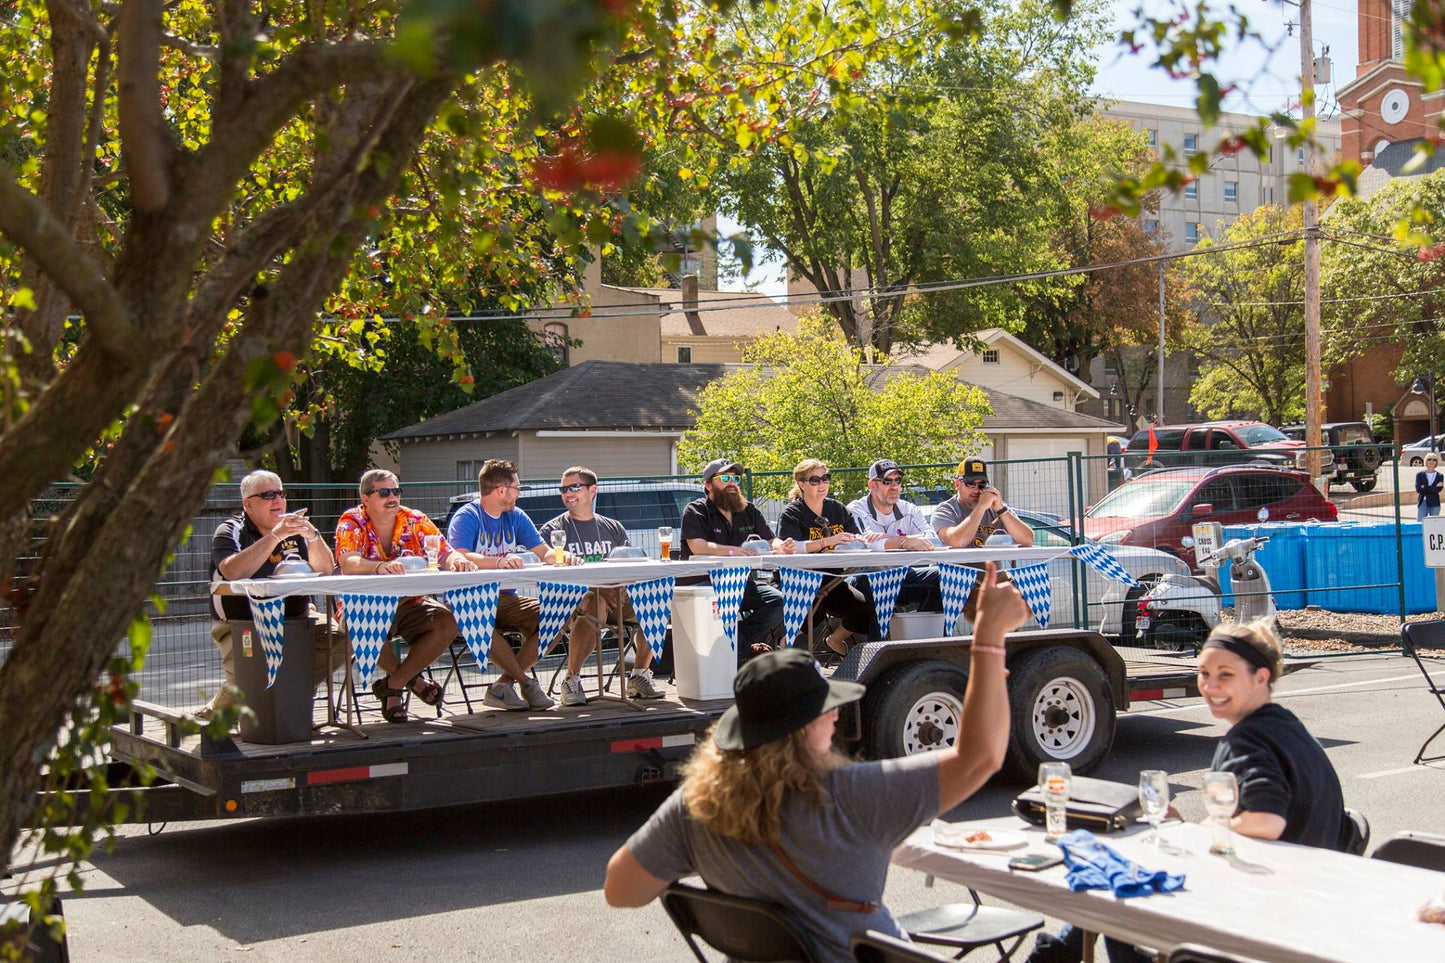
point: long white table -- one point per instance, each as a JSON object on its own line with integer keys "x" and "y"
{"x": 613, "y": 574}
{"x": 1272, "y": 901}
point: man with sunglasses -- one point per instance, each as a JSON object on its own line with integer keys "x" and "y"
{"x": 718, "y": 524}
{"x": 492, "y": 530}
{"x": 883, "y": 511}
{"x": 592, "y": 537}
{"x": 968, "y": 519}
{"x": 250, "y": 544}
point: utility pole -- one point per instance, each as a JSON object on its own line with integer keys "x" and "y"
{"x": 1159, "y": 389}
{"x": 1313, "y": 376}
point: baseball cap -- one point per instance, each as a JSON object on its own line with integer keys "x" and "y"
{"x": 717, "y": 466}
{"x": 880, "y": 469}
{"x": 777, "y": 694}
{"x": 971, "y": 468}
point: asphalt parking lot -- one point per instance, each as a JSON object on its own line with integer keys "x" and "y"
{"x": 522, "y": 881}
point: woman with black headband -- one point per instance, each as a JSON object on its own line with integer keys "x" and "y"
{"x": 1287, "y": 788}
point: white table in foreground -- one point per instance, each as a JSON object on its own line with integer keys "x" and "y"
{"x": 1275, "y": 901}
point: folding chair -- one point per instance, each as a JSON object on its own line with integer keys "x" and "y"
{"x": 750, "y": 930}
{"x": 1192, "y": 953}
{"x": 967, "y": 926}
{"x": 461, "y": 659}
{"x": 873, "y": 947}
{"x": 1429, "y": 635}
{"x": 1359, "y": 839}
{"x": 1425, "y": 850}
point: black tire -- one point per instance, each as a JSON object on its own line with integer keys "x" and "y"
{"x": 914, "y": 708}
{"x": 1069, "y": 694}
{"x": 1368, "y": 459}
{"x": 1416, "y": 461}
{"x": 1364, "y": 484}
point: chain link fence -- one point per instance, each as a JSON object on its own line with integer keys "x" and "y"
{"x": 1368, "y": 559}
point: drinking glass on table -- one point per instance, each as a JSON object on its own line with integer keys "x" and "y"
{"x": 559, "y": 546}
{"x": 1154, "y": 800}
{"x": 1221, "y": 798}
{"x": 1055, "y": 781}
{"x": 433, "y": 546}
{"x": 664, "y": 541}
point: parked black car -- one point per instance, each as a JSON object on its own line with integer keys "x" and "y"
{"x": 1357, "y": 454}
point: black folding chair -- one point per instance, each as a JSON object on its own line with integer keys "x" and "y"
{"x": 751, "y": 930}
{"x": 967, "y": 926}
{"x": 1427, "y": 635}
{"x": 1359, "y": 829}
{"x": 873, "y": 947}
{"x": 1425, "y": 850}
{"x": 1191, "y": 953}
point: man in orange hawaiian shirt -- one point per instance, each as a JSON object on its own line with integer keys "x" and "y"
{"x": 370, "y": 540}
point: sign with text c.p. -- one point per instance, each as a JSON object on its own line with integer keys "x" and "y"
{"x": 1434, "y": 531}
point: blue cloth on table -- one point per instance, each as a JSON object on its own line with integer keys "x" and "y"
{"x": 1092, "y": 865}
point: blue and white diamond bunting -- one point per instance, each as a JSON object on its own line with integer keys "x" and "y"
{"x": 729, "y": 584}
{"x": 270, "y": 618}
{"x": 885, "y": 586}
{"x": 652, "y": 604}
{"x": 475, "y": 609}
{"x": 368, "y": 623}
{"x": 1103, "y": 561}
{"x": 1033, "y": 583}
{"x": 557, "y": 601}
{"x": 798, "y": 586}
{"x": 956, "y": 582}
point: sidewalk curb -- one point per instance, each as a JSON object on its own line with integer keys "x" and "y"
{"x": 1380, "y": 500}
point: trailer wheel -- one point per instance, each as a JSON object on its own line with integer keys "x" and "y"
{"x": 1061, "y": 710}
{"x": 915, "y": 708}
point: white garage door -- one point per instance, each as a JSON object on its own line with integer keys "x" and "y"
{"x": 1040, "y": 485}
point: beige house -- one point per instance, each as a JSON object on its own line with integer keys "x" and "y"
{"x": 1004, "y": 363}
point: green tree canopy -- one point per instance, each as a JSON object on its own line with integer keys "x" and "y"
{"x": 811, "y": 395}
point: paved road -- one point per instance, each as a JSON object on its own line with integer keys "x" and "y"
{"x": 521, "y": 882}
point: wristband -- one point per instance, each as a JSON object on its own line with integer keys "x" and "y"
{"x": 377, "y": 570}
{"x": 988, "y": 649}
{"x": 1002, "y": 512}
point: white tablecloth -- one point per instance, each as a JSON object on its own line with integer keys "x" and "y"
{"x": 1274, "y": 901}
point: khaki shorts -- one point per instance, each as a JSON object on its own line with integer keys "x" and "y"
{"x": 518, "y": 613}
{"x": 330, "y": 652}
{"x": 416, "y": 617}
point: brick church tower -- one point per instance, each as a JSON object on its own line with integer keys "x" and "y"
{"x": 1382, "y": 106}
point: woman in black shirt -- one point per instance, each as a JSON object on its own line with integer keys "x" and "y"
{"x": 820, "y": 524}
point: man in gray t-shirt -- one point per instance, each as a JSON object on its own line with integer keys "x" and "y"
{"x": 671, "y": 845}
{"x": 592, "y": 537}
{"x": 968, "y": 518}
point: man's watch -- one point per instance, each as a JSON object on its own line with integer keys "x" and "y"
{"x": 1003, "y": 511}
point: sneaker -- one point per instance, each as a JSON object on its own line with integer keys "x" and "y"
{"x": 641, "y": 686}
{"x": 501, "y": 695}
{"x": 572, "y": 692}
{"x": 536, "y": 697}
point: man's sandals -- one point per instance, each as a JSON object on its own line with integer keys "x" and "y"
{"x": 424, "y": 689}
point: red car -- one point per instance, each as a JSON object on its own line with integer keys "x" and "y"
{"x": 1158, "y": 510}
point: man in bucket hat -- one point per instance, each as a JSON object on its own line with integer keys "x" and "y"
{"x": 769, "y": 809}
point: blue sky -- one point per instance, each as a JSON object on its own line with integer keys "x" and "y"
{"x": 1267, "y": 74}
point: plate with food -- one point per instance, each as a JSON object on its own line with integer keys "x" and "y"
{"x": 964, "y": 836}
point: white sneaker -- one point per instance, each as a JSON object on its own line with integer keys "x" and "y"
{"x": 501, "y": 695}
{"x": 641, "y": 686}
{"x": 536, "y": 697}
{"x": 572, "y": 692}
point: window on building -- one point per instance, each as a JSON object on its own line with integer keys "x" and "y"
{"x": 555, "y": 334}
{"x": 1399, "y": 13}
{"x": 1151, "y": 136}
{"x": 1301, "y": 155}
{"x": 1191, "y": 191}
{"x": 1151, "y": 227}
{"x": 1231, "y": 192}
{"x": 1191, "y": 143}
{"x": 990, "y": 356}
{"x": 467, "y": 471}
{"x": 1191, "y": 233}
{"x": 684, "y": 354}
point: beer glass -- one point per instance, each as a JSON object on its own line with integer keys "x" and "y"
{"x": 1221, "y": 798}
{"x": 559, "y": 545}
{"x": 1055, "y": 781}
{"x": 433, "y": 546}
{"x": 664, "y": 542}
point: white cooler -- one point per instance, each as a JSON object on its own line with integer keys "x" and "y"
{"x": 703, "y": 662}
{"x": 917, "y": 625}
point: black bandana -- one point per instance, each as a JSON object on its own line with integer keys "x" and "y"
{"x": 1240, "y": 648}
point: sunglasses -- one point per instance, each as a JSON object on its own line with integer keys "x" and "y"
{"x": 270, "y": 496}
{"x": 976, "y": 483}
{"x": 574, "y": 487}
{"x": 819, "y": 479}
{"x": 728, "y": 479}
{"x": 386, "y": 492}
{"x": 892, "y": 480}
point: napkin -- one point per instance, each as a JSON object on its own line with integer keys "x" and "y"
{"x": 1093, "y": 865}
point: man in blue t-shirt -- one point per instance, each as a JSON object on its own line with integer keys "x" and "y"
{"x": 490, "y": 531}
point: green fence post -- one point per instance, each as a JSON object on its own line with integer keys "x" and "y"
{"x": 748, "y": 481}
{"x": 1075, "y": 467}
{"x": 1400, "y": 544}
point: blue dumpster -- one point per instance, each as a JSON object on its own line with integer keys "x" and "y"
{"x": 1341, "y": 557}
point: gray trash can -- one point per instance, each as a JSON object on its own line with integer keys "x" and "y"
{"x": 282, "y": 712}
